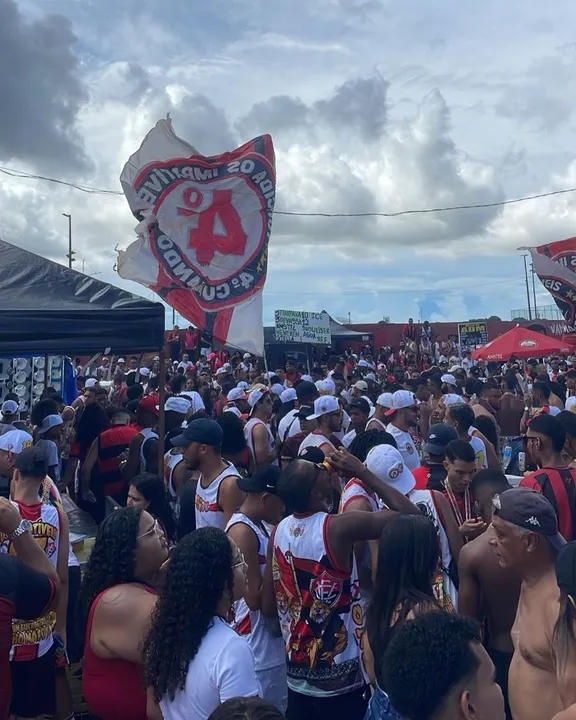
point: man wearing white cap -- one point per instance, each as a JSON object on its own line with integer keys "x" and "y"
{"x": 9, "y": 420}
{"x": 328, "y": 414}
{"x": 11, "y": 445}
{"x": 176, "y": 472}
{"x": 403, "y": 417}
{"x": 383, "y": 405}
{"x": 257, "y": 430}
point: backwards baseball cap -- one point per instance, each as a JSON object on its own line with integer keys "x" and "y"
{"x": 264, "y": 479}
{"x": 386, "y": 463}
{"x": 203, "y": 431}
{"x": 448, "y": 379}
{"x": 90, "y": 383}
{"x": 256, "y": 395}
{"x": 243, "y": 385}
{"x": 149, "y": 404}
{"x": 49, "y": 422}
{"x": 528, "y": 509}
{"x": 385, "y": 400}
{"x": 288, "y": 395}
{"x": 438, "y": 438}
{"x": 324, "y": 405}
{"x": 361, "y": 385}
{"x": 360, "y": 403}
{"x": 9, "y": 407}
{"x": 277, "y": 389}
{"x": 236, "y": 394}
{"x": 178, "y": 405}
{"x": 402, "y": 399}
{"x": 32, "y": 461}
{"x": 15, "y": 441}
{"x": 326, "y": 387}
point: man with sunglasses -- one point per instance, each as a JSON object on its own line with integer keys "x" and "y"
{"x": 311, "y": 585}
{"x": 555, "y": 479}
{"x": 526, "y": 540}
{"x": 328, "y": 416}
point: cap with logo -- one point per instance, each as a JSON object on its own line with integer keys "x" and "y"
{"x": 15, "y": 441}
{"x": 439, "y": 436}
{"x": 49, "y": 422}
{"x": 203, "y": 431}
{"x": 402, "y": 399}
{"x": 386, "y": 463}
{"x": 149, "y": 404}
{"x": 324, "y": 405}
{"x": 178, "y": 405}
{"x": 9, "y": 407}
{"x": 264, "y": 479}
{"x": 528, "y": 509}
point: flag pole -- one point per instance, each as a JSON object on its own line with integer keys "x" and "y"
{"x": 527, "y": 287}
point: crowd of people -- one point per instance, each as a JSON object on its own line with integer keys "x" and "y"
{"x": 388, "y": 536}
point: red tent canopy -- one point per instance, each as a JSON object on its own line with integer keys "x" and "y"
{"x": 521, "y": 343}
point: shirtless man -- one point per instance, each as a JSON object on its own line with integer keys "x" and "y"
{"x": 488, "y": 592}
{"x": 526, "y": 539}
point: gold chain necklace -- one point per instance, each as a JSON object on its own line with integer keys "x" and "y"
{"x": 455, "y": 506}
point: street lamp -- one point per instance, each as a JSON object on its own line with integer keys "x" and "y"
{"x": 71, "y": 254}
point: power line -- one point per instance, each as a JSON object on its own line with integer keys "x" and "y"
{"x": 421, "y": 211}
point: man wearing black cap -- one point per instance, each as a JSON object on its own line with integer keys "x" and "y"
{"x": 249, "y": 528}
{"x": 33, "y": 656}
{"x": 306, "y": 393}
{"x": 431, "y": 476}
{"x": 526, "y": 539}
{"x": 359, "y": 411}
{"x": 217, "y": 493}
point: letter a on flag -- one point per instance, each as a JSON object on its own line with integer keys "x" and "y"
{"x": 204, "y": 226}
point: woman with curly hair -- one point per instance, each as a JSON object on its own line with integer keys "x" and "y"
{"x": 193, "y": 660}
{"x": 116, "y": 600}
{"x": 148, "y": 492}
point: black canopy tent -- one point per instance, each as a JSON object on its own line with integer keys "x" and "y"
{"x": 50, "y": 309}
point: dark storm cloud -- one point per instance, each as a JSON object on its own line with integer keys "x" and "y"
{"x": 40, "y": 91}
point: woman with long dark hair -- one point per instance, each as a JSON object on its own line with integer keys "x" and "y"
{"x": 407, "y": 562}
{"x": 193, "y": 660}
{"x": 148, "y": 492}
{"x": 246, "y": 709}
{"x": 116, "y": 600}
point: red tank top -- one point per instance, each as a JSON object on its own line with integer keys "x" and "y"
{"x": 113, "y": 689}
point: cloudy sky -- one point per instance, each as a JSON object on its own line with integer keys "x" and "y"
{"x": 374, "y": 106}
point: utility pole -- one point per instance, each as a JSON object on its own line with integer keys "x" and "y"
{"x": 71, "y": 254}
{"x": 534, "y": 290}
{"x": 527, "y": 287}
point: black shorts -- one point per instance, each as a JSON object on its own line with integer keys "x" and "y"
{"x": 34, "y": 686}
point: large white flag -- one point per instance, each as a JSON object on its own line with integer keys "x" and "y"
{"x": 203, "y": 233}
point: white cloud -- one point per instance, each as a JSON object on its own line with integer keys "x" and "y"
{"x": 374, "y": 107}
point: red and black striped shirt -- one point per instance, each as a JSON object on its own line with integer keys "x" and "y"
{"x": 558, "y": 485}
{"x": 112, "y": 443}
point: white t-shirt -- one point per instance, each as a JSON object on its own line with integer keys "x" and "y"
{"x": 406, "y": 447}
{"x": 222, "y": 669}
{"x": 315, "y": 440}
{"x": 479, "y": 448}
{"x": 570, "y": 404}
{"x": 197, "y": 402}
{"x": 287, "y": 426}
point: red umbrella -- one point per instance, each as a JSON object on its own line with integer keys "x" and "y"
{"x": 521, "y": 343}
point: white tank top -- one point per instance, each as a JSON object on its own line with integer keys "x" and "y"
{"x": 33, "y": 638}
{"x": 147, "y": 433}
{"x": 376, "y": 424}
{"x": 269, "y": 651}
{"x": 355, "y": 489}
{"x": 424, "y": 501}
{"x": 320, "y": 609}
{"x": 171, "y": 460}
{"x": 249, "y": 435}
{"x": 208, "y": 511}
